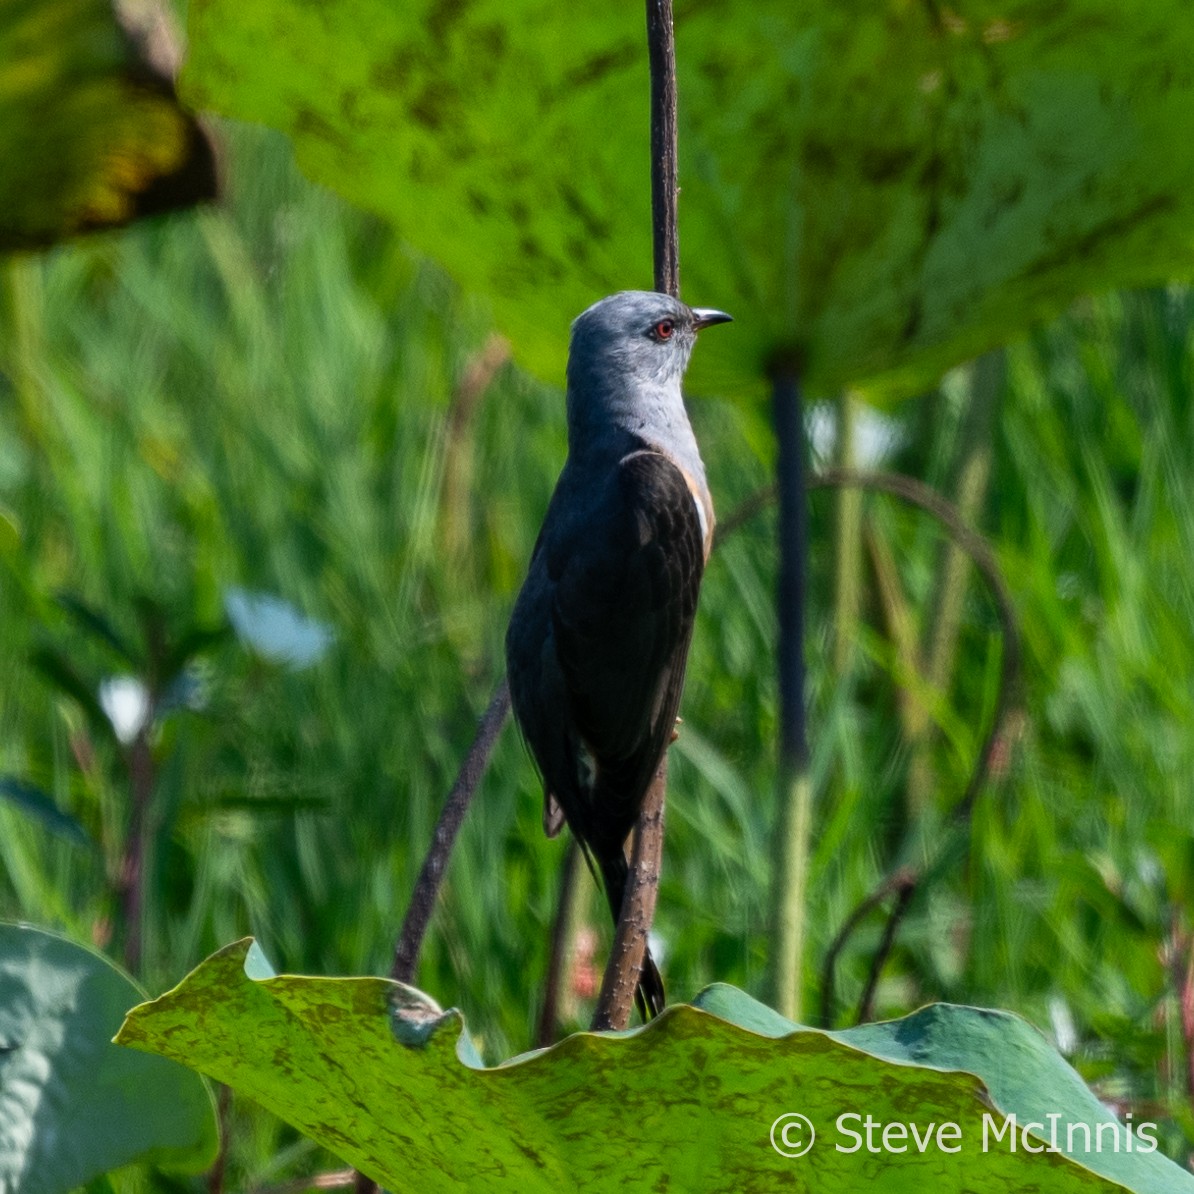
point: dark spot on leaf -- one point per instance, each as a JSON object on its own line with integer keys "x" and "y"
{"x": 490, "y": 40}
{"x": 479, "y": 203}
{"x": 530, "y": 1153}
{"x": 350, "y": 105}
{"x": 715, "y": 72}
{"x": 578, "y": 250}
{"x": 395, "y": 71}
{"x": 418, "y": 167}
{"x": 600, "y": 65}
{"x": 595, "y": 226}
{"x": 443, "y": 16}
{"x": 430, "y": 106}
{"x": 1097, "y": 239}
{"x": 819, "y": 155}
{"x": 886, "y": 165}
{"x": 310, "y": 123}
{"x": 520, "y": 213}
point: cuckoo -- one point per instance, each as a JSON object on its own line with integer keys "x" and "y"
{"x": 598, "y": 640}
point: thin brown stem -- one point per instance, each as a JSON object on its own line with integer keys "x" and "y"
{"x": 638, "y": 904}
{"x": 638, "y": 911}
{"x": 557, "y": 962}
{"x": 422, "y": 904}
{"x": 912, "y": 882}
{"x": 893, "y": 882}
{"x": 133, "y": 865}
{"x": 904, "y": 894}
{"x": 215, "y": 1175}
{"x": 661, "y": 49}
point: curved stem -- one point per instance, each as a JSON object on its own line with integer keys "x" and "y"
{"x": 908, "y": 883}
{"x": 557, "y": 961}
{"x": 422, "y": 903}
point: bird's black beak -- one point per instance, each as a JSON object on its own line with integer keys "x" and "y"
{"x": 703, "y": 317}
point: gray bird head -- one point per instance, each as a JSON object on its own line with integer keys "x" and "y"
{"x": 625, "y": 364}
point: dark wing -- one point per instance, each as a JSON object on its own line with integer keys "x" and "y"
{"x": 622, "y": 614}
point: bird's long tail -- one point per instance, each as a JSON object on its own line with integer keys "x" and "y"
{"x": 649, "y": 997}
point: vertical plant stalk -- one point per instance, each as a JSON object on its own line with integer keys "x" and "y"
{"x": 665, "y": 191}
{"x": 642, "y": 885}
{"x": 215, "y": 1175}
{"x": 458, "y": 447}
{"x": 847, "y": 588}
{"x": 422, "y": 903}
{"x": 789, "y": 880}
{"x": 970, "y": 494}
{"x": 903, "y": 630}
{"x": 625, "y": 964}
{"x": 908, "y": 883}
{"x": 133, "y": 865}
{"x": 972, "y": 475}
{"x": 134, "y": 868}
{"x": 557, "y": 962}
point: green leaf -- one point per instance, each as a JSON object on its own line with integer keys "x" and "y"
{"x": 97, "y": 626}
{"x": 879, "y": 190}
{"x": 40, "y": 806}
{"x": 375, "y": 1072}
{"x": 64, "y": 676}
{"x": 91, "y": 134}
{"x": 72, "y": 1104}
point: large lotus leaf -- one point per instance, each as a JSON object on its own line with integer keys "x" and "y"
{"x": 91, "y": 134}
{"x": 376, "y": 1073}
{"x": 880, "y": 189}
{"x": 72, "y": 1104}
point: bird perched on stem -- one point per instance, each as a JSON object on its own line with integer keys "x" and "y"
{"x": 598, "y": 640}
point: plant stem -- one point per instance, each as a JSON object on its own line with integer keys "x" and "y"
{"x": 133, "y": 865}
{"x": 794, "y": 787}
{"x": 972, "y": 473}
{"x": 661, "y": 51}
{"x": 638, "y": 904}
{"x": 638, "y": 911}
{"x": 422, "y": 903}
{"x": 847, "y": 593}
{"x": 215, "y": 1175}
{"x": 458, "y": 447}
{"x": 557, "y": 962}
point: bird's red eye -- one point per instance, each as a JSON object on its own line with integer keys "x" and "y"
{"x": 663, "y": 329}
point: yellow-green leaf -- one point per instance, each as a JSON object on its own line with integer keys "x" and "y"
{"x": 91, "y": 134}
{"x": 376, "y": 1073}
{"x": 882, "y": 189}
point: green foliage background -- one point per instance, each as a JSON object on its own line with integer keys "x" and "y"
{"x": 260, "y": 396}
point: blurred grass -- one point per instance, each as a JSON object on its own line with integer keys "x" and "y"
{"x": 258, "y": 396}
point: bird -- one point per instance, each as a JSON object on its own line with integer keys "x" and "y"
{"x": 598, "y": 638}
